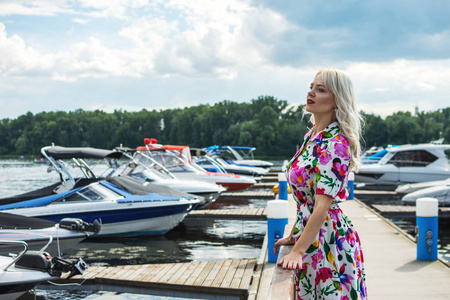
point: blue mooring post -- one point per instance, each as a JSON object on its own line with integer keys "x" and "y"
{"x": 277, "y": 219}
{"x": 351, "y": 186}
{"x": 427, "y": 229}
{"x": 282, "y": 186}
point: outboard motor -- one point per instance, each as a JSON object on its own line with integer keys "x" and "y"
{"x": 75, "y": 224}
{"x": 55, "y": 266}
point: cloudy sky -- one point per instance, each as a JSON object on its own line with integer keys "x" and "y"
{"x": 135, "y": 54}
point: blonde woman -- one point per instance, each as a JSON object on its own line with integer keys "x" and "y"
{"x": 326, "y": 255}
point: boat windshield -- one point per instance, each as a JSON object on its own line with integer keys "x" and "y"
{"x": 413, "y": 158}
{"x": 93, "y": 192}
{"x": 175, "y": 164}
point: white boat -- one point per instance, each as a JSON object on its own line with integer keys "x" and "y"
{"x": 125, "y": 205}
{"x": 56, "y": 238}
{"x": 441, "y": 193}
{"x": 178, "y": 160}
{"x": 406, "y": 164}
{"x": 239, "y": 155}
{"x": 25, "y": 270}
{"x": 219, "y": 165}
{"x": 144, "y": 167}
{"x": 407, "y": 188}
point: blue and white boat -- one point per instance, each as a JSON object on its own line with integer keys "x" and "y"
{"x": 125, "y": 205}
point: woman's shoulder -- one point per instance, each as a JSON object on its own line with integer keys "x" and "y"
{"x": 340, "y": 147}
{"x": 339, "y": 139}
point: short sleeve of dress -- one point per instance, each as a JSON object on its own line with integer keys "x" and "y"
{"x": 332, "y": 168}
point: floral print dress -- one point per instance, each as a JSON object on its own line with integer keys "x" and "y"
{"x": 333, "y": 266}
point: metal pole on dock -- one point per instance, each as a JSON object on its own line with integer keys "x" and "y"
{"x": 427, "y": 229}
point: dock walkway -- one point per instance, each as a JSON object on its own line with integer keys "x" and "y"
{"x": 410, "y": 210}
{"x": 235, "y": 213}
{"x": 392, "y": 271}
{"x": 225, "y": 279}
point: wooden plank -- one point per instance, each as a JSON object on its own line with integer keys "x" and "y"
{"x": 180, "y": 269}
{"x": 213, "y": 273}
{"x": 199, "y": 270}
{"x": 185, "y": 275}
{"x": 144, "y": 269}
{"x": 235, "y": 283}
{"x": 90, "y": 272}
{"x": 248, "y": 274}
{"x": 153, "y": 272}
{"x": 123, "y": 275}
{"x": 228, "y": 278}
{"x": 202, "y": 276}
{"x": 113, "y": 271}
{"x": 169, "y": 273}
{"x": 162, "y": 272}
{"x": 221, "y": 273}
{"x": 103, "y": 273}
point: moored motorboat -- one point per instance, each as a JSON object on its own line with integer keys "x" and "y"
{"x": 26, "y": 269}
{"x": 407, "y": 188}
{"x": 56, "y": 238}
{"x": 406, "y": 164}
{"x": 178, "y": 160}
{"x": 441, "y": 193}
{"x": 244, "y": 158}
{"x": 219, "y": 165}
{"x": 144, "y": 167}
{"x": 125, "y": 205}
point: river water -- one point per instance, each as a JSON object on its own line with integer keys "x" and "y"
{"x": 193, "y": 240}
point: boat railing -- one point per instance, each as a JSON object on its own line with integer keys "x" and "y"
{"x": 50, "y": 238}
{"x": 19, "y": 256}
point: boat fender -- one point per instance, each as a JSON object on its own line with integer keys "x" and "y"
{"x": 276, "y": 188}
{"x": 35, "y": 260}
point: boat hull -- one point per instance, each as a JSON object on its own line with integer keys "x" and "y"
{"x": 229, "y": 181}
{"x": 390, "y": 174}
{"x": 127, "y": 218}
{"x": 16, "y": 281}
{"x": 36, "y": 239}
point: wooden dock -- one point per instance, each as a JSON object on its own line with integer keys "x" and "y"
{"x": 228, "y": 278}
{"x": 249, "y": 194}
{"x": 269, "y": 179}
{"x": 264, "y": 185}
{"x": 406, "y": 210}
{"x": 237, "y": 213}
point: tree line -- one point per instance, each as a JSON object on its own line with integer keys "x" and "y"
{"x": 273, "y": 126}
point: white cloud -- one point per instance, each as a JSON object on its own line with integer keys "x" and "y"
{"x": 214, "y": 50}
{"x": 35, "y": 8}
{"x": 80, "y": 21}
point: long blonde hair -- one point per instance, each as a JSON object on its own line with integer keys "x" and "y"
{"x": 349, "y": 119}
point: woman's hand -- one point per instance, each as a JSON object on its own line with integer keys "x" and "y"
{"x": 284, "y": 241}
{"x": 292, "y": 261}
